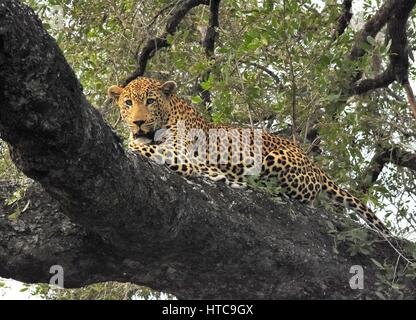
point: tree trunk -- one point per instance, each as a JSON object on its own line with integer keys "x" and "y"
{"x": 105, "y": 214}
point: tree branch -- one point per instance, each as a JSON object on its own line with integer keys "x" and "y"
{"x": 208, "y": 43}
{"x": 394, "y": 155}
{"x": 133, "y": 220}
{"x": 380, "y": 81}
{"x": 157, "y": 43}
{"x": 43, "y": 236}
{"x": 211, "y": 34}
{"x": 269, "y": 72}
{"x": 373, "y": 26}
{"x": 343, "y": 20}
{"x": 395, "y": 14}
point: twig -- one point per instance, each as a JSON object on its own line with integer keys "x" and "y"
{"x": 410, "y": 97}
{"x": 395, "y": 269}
{"x": 292, "y": 77}
{"x": 166, "y": 7}
{"x": 314, "y": 144}
{"x": 394, "y": 94}
{"x": 117, "y": 122}
{"x": 273, "y": 75}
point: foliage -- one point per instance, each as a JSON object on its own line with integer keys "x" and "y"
{"x": 109, "y": 291}
{"x": 15, "y": 204}
{"x": 8, "y": 171}
{"x": 390, "y": 277}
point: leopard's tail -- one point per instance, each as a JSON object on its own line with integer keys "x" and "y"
{"x": 335, "y": 193}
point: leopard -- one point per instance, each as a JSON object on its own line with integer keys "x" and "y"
{"x": 168, "y": 130}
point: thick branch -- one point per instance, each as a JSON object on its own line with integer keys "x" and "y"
{"x": 395, "y": 14}
{"x": 157, "y": 43}
{"x": 373, "y": 26}
{"x": 42, "y": 236}
{"x": 135, "y": 220}
{"x": 380, "y": 81}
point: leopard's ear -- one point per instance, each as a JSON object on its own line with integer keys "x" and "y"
{"x": 168, "y": 88}
{"x": 114, "y": 92}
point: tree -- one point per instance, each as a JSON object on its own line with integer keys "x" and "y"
{"x": 105, "y": 214}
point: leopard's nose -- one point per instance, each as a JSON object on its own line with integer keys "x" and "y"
{"x": 138, "y": 122}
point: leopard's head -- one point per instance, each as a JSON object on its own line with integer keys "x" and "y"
{"x": 144, "y": 106}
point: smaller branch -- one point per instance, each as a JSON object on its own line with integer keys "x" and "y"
{"x": 394, "y": 95}
{"x": 293, "y": 94}
{"x": 311, "y": 133}
{"x": 400, "y": 50}
{"x": 380, "y": 81}
{"x": 393, "y": 155}
{"x": 374, "y": 170}
{"x": 181, "y": 12}
{"x": 371, "y": 28}
{"x": 160, "y": 12}
{"x": 401, "y": 158}
{"x": 399, "y": 55}
{"x": 315, "y": 143}
{"x": 395, "y": 14}
{"x": 211, "y": 34}
{"x": 155, "y": 44}
{"x": 266, "y": 70}
{"x": 148, "y": 52}
{"x": 117, "y": 122}
{"x": 292, "y": 78}
{"x": 208, "y": 43}
{"x": 343, "y": 20}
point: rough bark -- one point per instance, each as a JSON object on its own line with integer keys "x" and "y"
{"x": 104, "y": 214}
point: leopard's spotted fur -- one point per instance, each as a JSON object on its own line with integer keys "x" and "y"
{"x": 149, "y": 107}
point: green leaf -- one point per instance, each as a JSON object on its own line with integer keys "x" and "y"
{"x": 378, "y": 264}
{"x": 330, "y": 98}
{"x": 196, "y": 99}
{"x": 206, "y": 85}
{"x": 371, "y": 40}
{"x": 169, "y": 39}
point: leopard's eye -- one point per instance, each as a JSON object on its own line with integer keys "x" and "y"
{"x": 150, "y": 101}
{"x": 128, "y": 103}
